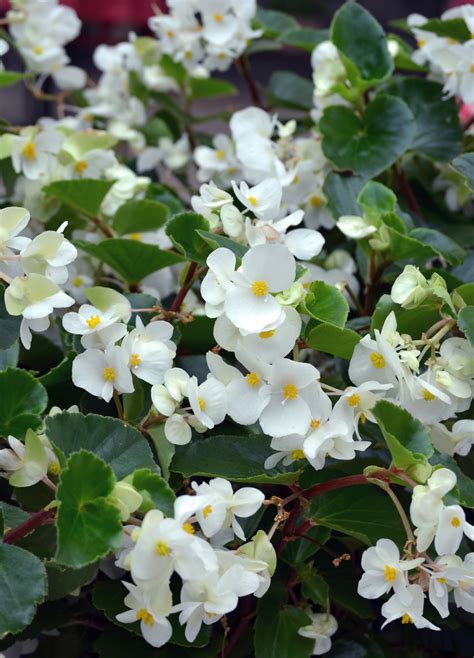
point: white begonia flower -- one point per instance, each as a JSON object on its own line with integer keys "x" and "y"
{"x": 220, "y": 506}
{"x": 100, "y": 373}
{"x": 249, "y": 304}
{"x": 454, "y": 368}
{"x": 410, "y": 613}
{"x": 383, "y": 570}
{"x": 34, "y": 155}
{"x": 289, "y": 449}
{"x": 49, "y": 254}
{"x": 328, "y": 68}
{"x": 357, "y": 403}
{"x": 24, "y": 464}
{"x": 12, "y": 222}
{"x": 219, "y": 161}
{"x": 89, "y": 320}
{"x": 355, "y": 227}
{"x": 292, "y": 386}
{"x": 163, "y": 546}
{"x": 233, "y": 222}
{"x": 91, "y": 164}
{"x": 150, "y": 350}
{"x": 177, "y": 430}
{"x": 107, "y": 299}
{"x": 213, "y": 197}
{"x": 410, "y": 288}
{"x": 425, "y": 401}
{"x": 333, "y": 439}
{"x": 208, "y": 401}
{"x": 248, "y": 395}
{"x": 452, "y": 525}
{"x": 322, "y": 627}
{"x": 263, "y": 199}
{"x": 369, "y": 364}
{"x": 4, "y": 48}
{"x": 127, "y": 186}
{"x": 457, "y": 441}
{"x": 174, "y": 155}
{"x": 168, "y": 396}
{"x": 126, "y": 498}
{"x": 464, "y": 588}
{"x": 70, "y": 78}
{"x": 427, "y": 503}
{"x": 154, "y": 625}
{"x": 217, "y": 281}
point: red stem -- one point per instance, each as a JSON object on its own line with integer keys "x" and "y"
{"x": 35, "y": 521}
{"x": 407, "y": 192}
{"x": 252, "y": 87}
{"x": 332, "y": 485}
{"x": 179, "y": 299}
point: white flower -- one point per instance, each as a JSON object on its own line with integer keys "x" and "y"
{"x": 355, "y": 227}
{"x": 154, "y": 626}
{"x": 384, "y": 570}
{"x": 411, "y": 613}
{"x": 427, "y": 503}
{"x": 457, "y": 441}
{"x": 100, "y": 373}
{"x": 248, "y": 394}
{"x": 24, "y": 464}
{"x": 34, "y": 154}
{"x": 328, "y": 68}
{"x": 249, "y": 304}
{"x": 49, "y": 254}
{"x": 263, "y": 199}
{"x": 452, "y": 525}
{"x": 322, "y": 627}
{"x": 410, "y": 288}
{"x": 150, "y": 350}
{"x": 12, "y": 222}
{"x": 166, "y": 398}
{"x": 126, "y": 498}
{"x": 217, "y": 281}
{"x": 220, "y": 506}
{"x": 357, "y": 403}
{"x": 89, "y": 320}
{"x": 91, "y": 164}
{"x": 208, "y": 401}
{"x": 173, "y": 154}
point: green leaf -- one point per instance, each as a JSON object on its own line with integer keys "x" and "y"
{"x": 315, "y": 588}
{"x": 85, "y": 195}
{"x": 300, "y": 550}
{"x": 80, "y": 143}
{"x": 121, "y": 446}
{"x": 291, "y": 90}
{"x": 363, "y": 512}
{"x": 215, "y": 240}
{"x": 12, "y": 516}
{"x": 413, "y": 322}
{"x": 154, "y": 130}
{"x": 441, "y": 244}
{"x": 22, "y": 587}
{"x": 88, "y": 524}
{"x": 9, "y": 357}
{"x": 326, "y": 303}
{"x": 421, "y": 244}
{"x": 62, "y": 582}
{"x": 155, "y": 491}
{"x": 342, "y": 583}
{"x": 8, "y": 78}
{"x": 140, "y": 216}
{"x": 22, "y": 400}
{"x": 131, "y": 259}
{"x": 274, "y": 22}
{"x": 466, "y": 322}
{"x": 342, "y": 191}
{"x": 333, "y": 340}
{"x": 305, "y": 38}
{"x": 464, "y": 164}
{"x": 108, "y": 597}
{"x": 438, "y": 132}
{"x": 407, "y": 438}
{"x": 453, "y": 28}
{"x": 182, "y": 230}
{"x": 370, "y": 144}
{"x": 362, "y": 41}
{"x": 237, "y": 458}
{"x": 375, "y": 199}
{"x": 211, "y": 88}
{"x": 164, "y": 449}
{"x": 9, "y": 325}
{"x": 166, "y": 196}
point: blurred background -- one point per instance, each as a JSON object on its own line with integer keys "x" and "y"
{"x": 110, "y": 21}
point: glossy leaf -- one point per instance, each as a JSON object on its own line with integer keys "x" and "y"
{"x": 326, "y": 303}
{"x": 22, "y": 400}
{"x": 135, "y": 217}
{"x": 155, "y": 491}
{"x": 182, "y": 230}
{"x": 333, "y": 340}
{"x": 85, "y": 195}
{"x": 291, "y": 90}
{"x": 466, "y": 322}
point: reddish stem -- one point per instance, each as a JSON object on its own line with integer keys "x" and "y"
{"x": 332, "y": 485}
{"x": 179, "y": 299}
{"x": 408, "y": 194}
{"x": 35, "y": 521}
{"x": 252, "y": 87}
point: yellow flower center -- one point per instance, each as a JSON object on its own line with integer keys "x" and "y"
{"x": 471, "y": 68}
{"x": 38, "y": 50}
{"x": 206, "y": 511}
{"x": 353, "y": 400}
{"x": 421, "y": 43}
{"x": 428, "y": 396}
{"x": 290, "y": 392}
{"x": 297, "y": 454}
{"x": 77, "y": 282}
{"x": 455, "y": 521}
{"x": 187, "y": 55}
{"x": 253, "y": 379}
{"x": 162, "y": 549}
{"x": 93, "y": 321}
{"x": 29, "y": 151}
{"x": 80, "y": 167}
{"x": 218, "y": 18}
{"x": 170, "y": 34}
{"x": 53, "y": 468}
{"x": 135, "y": 360}
{"x": 220, "y": 155}
{"x": 441, "y": 580}
{"x": 406, "y": 619}
{"x": 108, "y": 374}
{"x": 266, "y": 334}
{"x": 252, "y": 200}
{"x": 377, "y": 360}
{"x": 144, "y": 616}
{"x": 363, "y": 418}
{"x": 135, "y": 236}
{"x": 315, "y": 423}
{"x": 189, "y": 528}
{"x": 259, "y": 288}
{"x": 202, "y": 404}
{"x": 390, "y": 573}
{"x": 316, "y": 201}
{"x": 295, "y": 180}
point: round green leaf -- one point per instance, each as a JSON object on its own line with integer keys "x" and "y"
{"x": 326, "y": 303}
{"x": 183, "y": 229}
{"x": 22, "y": 400}
{"x": 85, "y": 195}
{"x": 138, "y": 216}
{"x": 370, "y": 144}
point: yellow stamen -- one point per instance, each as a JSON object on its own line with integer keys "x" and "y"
{"x": 377, "y": 360}
{"x": 390, "y": 573}
{"x": 471, "y": 68}
{"x": 108, "y": 374}
{"x": 77, "y": 282}
{"x": 162, "y": 549}
{"x": 315, "y": 423}
{"x": 202, "y": 404}
{"x": 252, "y": 200}
{"x": 260, "y": 288}
{"x": 295, "y": 180}
{"x": 363, "y": 418}
{"x": 266, "y": 334}
{"x": 218, "y": 18}
{"x": 206, "y": 511}
{"x": 441, "y": 580}
{"x": 297, "y": 454}
{"x": 455, "y": 521}
{"x": 135, "y": 236}
{"x": 406, "y": 619}
{"x": 29, "y": 151}
{"x": 135, "y": 360}
{"x": 188, "y": 55}
{"x": 38, "y": 50}
{"x": 353, "y": 400}
{"x": 220, "y": 155}
{"x": 170, "y": 34}
{"x": 80, "y": 167}
{"x": 421, "y": 43}
{"x": 93, "y": 321}
{"x": 316, "y": 201}
{"x": 144, "y": 616}
{"x": 253, "y": 379}
{"x": 189, "y": 528}
{"x": 53, "y": 468}
{"x": 290, "y": 392}
{"x": 428, "y": 396}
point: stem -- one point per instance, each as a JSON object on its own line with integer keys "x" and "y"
{"x": 49, "y": 484}
{"x": 332, "y": 485}
{"x": 244, "y": 68}
{"x": 247, "y": 613}
{"x": 179, "y": 299}
{"x": 118, "y": 404}
{"x": 406, "y": 523}
{"x": 408, "y": 194}
{"x": 35, "y": 521}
